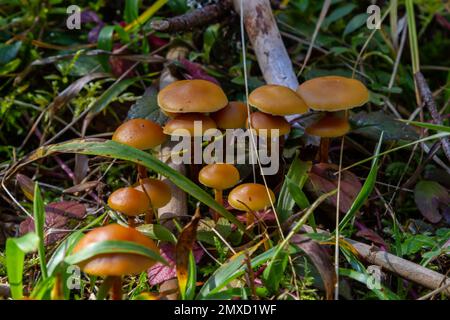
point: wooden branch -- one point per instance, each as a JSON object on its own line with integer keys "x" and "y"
{"x": 427, "y": 98}
{"x": 401, "y": 267}
{"x": 262, "y": 30}
{"x": 177, "y": 205}
{"x": 193, "y": 19}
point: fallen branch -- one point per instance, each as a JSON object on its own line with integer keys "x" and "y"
{"x": 427, "y": 98}
{"x": 194, "y": 19}
{"x": 404, "y": 268}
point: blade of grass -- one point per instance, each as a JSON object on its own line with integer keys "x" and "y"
{"x": 111, "y": 149}
{"x": 112, "y": 246}
{"x": 39, "y": 221}
{"x": 143, "y": 18}
{"x": 426, "y": 125}
{"x": 15, "y": 251}
{"x": 366, "y": 189}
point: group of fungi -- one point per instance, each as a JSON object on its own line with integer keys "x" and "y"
{"x": 186, "y": 102}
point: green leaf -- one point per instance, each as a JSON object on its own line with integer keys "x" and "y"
{"x": 147, "y": 108}
{"x": 112, "y": 149}
{"x": 105, "y": 38}
{"x": 10, "y": 66}
{"x": 9, "y": 51}
{"x": 39, "y": 221}
{"x": 15, "y": 251}
{"x": 192, "y": 278}
{"x": 366, "y": 189}
{"x": 383, "y": 293}
{"x": 157, "y": 232}
{"x": 131, "y": 11}
{"x": 113, "y": 246}
{"x": 297, "y": 174}
{"x": 209, "y": 38}
{"x": 355, "y": 23}
{"x": 338, "y": 14}
{"x": 274, "y": 272}
{"x": 110, "y": 94}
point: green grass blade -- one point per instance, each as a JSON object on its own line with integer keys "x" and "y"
{"x": 16, "y": 248}
{"x": 366, "y": 189}
{"x": 192, "y": 278}
{"x": 111, "y": 149}
{"x": 113, "y": 246}
{"x": 39, "y": 221}
{"x": 426, "y": 125}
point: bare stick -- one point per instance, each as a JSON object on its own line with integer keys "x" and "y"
{"x": 196, "y": 18}
{"x": 401, "y": 267}
{"x": 265, "y": 38}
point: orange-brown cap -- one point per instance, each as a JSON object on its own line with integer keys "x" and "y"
{"x": 333, "y": 93}
{"x": 140, "y": 133}
{"x": 129, "y": 201}
{"x": 115, "y": 264}
{"x": 233, "y": 116}
{"x": 250, "y": 196}
{"x": 329, "y": 127}
{"x": 192, "y": 96}
{"x": 261, "y": 120}
{"x": 219, "y": 176}
{"x": 183, "y": 124}
{"x": 157, "y": 190}
{"x": 277, "y": 100}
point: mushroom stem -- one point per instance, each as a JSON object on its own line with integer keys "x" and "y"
{"x": 131, "y": 221}
{"x": 323, "y": 152}
{"x": 142, "y": 172}
{"x": 250, "y": 218}
{"x": 149, "y": 215}
{"x": 219, "y": 199}
{"x": 116, "y": 288}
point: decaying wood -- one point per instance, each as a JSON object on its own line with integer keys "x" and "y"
{"x": 193, "y": 19}
{"x": 177, "y": 205}
{"x": 262, "y": 30}
{"x": 404, "y": 268}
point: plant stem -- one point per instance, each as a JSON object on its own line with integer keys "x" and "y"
{"x": 219, "y": 199}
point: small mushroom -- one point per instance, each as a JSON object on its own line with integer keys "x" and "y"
{"x": 130, "y": 202}
{"x": 183, "y": 124}
{"x": 186, "y": 96}
{"x": 157, "y": 192}
{"x": 331, "y": 94}
{"x": 141, "y": 134}
{"x": 277, "y": 100}
{"x": 219, "y": 176}
{"x": 233, "y": 116}
{"x": 250, "y": 197}
{"x": 261, "y": 120}
{"x": 113, "y": 266}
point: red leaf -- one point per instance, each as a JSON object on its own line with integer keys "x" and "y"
{"x": 195, "y": 71}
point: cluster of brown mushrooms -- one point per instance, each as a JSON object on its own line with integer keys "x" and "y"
{"x": 188, "y": 101}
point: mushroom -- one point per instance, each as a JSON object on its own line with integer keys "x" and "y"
{"x": 130, "y": 202}
{"x": 233, "y": 116}
{"x": 141, "y": 134}
{"x": 115, "y": 265}
{"x": 250, "y": 197}
{"x": 186, "y": 96}
{"x": 260, "y": 121}
{"x": 158, "y": 193}
{"x": 277, "y": 100}
{"x": 219, "y": 176}
{"x": 340, "y": 94}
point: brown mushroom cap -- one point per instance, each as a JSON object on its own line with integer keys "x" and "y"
{"x": 192, "y": 96}
{"x": 115, "y": 264}
{"x": 277, "y": 100}
{"x": 250, "y": 196}
{"x": 219, "y": 176}
{"x": 140, "y": 133}
{"x": 158, "y": 191}
{"x": 329, "y": 127}
{"x": 233, "y": 116}
{"x": 186, "y": 122}
{"x": 129, "y": 201}
{"x": 333, "y": 93}
{"x": 261, "y": 120}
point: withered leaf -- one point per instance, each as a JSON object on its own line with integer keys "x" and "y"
{"x": 431, "y": 198}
